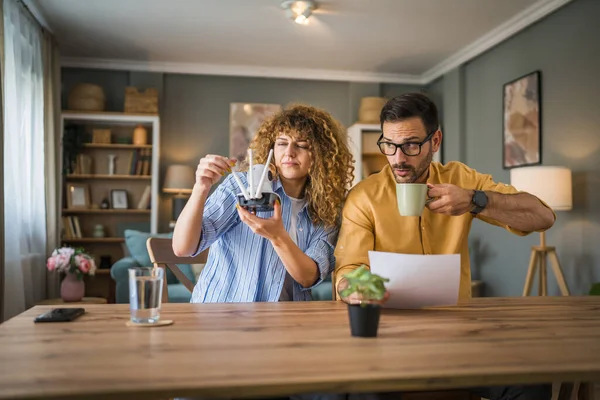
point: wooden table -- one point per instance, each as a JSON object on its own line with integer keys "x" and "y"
{"x": 85, "y": 300}
{"x": 282, "y": 348}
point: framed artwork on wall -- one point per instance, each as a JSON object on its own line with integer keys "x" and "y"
{"x": 244, "y": 121}
{"x": 521, "y": 127}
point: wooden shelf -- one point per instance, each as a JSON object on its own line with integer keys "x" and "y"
{"x": 111, "y": 177}
{"x": 94, "y": 240}
{"x": 110, "y": 113}
{"x": 102, "y": 271}
{"x": 117, "y": 146}
{"x": 104, "y": 211}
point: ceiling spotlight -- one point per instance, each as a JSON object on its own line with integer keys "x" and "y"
{"x": 299, "y": 10}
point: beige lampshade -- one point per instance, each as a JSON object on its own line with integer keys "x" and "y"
{"x": 179, "y": 179}
{"x": 550, "y": 184}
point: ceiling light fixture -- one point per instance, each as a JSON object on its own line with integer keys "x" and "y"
{"x": 299, "y": 10}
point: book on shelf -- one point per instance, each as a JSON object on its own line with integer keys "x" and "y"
{"x": 83, "y": 164}
{"x": 140, "y": 162}
{"x": 71, "y": 227}
{"x": 144, "y": 202}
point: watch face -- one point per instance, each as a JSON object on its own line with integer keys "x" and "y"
{"x": 480, "y": 199}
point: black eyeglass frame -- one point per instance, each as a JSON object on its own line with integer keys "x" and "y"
{"x": 401, "y": 146}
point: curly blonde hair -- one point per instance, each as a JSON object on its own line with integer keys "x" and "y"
{"x": 332, "y": 170}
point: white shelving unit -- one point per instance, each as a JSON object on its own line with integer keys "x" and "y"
{"x": 116, "y": 119}
{"x": 362, "y": 139}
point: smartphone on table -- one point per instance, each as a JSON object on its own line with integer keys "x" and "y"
{"x": 60, "y": 315}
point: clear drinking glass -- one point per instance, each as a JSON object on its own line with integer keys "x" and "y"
{"x": 145, "y": 291}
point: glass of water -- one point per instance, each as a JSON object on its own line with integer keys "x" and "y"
{"x": 145, "y": 291}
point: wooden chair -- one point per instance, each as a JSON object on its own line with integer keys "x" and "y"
{"x": 162, "y": 256}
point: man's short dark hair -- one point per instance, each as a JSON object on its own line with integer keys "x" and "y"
{"x": 411, "y": 105}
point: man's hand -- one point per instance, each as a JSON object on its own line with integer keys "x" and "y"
{"x": 356, "y": 298}
{"x": 449, "y": 199}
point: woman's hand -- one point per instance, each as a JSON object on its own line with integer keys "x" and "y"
{"x": 269, "y": 228}
{"x": 210, "y": 169}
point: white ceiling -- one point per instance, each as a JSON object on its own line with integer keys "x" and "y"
{"x": 411, "y": 41}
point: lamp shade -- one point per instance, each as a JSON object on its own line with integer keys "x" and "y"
{"x": 179, "y": 179}
{"x": 550, "y": 184}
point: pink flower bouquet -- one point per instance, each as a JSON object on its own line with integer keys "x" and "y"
{"x": 73, "y": 261}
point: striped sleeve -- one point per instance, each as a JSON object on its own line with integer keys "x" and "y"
{"x": 320, "y": 249}
{"x": 220, "y": 213}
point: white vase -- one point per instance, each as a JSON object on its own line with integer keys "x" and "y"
{"x": 111, "y": 164}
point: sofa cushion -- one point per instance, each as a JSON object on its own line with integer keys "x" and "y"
{"x": 136, "y": 244}
{"x": 178, "y": 294}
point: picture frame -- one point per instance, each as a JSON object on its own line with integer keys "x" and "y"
{"x": 522, "y": 121}
{"x": 244, "y": 121}
{"x": 119, "y": 199}
{"x": 78, "y": 196}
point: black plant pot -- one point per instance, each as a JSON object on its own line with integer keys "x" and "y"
{"x": 364, "y": 319}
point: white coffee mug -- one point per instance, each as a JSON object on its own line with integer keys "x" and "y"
{"x": 411, "y": 198}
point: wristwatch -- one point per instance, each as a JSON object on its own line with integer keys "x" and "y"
{"x": 479, "y": 201}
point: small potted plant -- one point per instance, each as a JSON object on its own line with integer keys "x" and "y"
{"x": 369, "y": 290}
{"x": 74, "y": 263}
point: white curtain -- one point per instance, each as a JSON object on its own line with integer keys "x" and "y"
{"x": 24, "y": 194}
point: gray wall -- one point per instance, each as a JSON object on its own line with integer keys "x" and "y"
{"x": 196, "y": 116}
{"x": 565, "y": 47}
{"x": 194, "y": 109}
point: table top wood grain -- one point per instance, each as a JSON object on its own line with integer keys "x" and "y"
{"x": 254, "y": 349}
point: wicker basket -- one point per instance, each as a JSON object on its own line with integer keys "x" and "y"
{"x": 141, "y": 103}
{"x": 370, "y": 109}
{"x": 86, "y": 97}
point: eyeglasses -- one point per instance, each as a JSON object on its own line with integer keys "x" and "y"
{"x": 408, "y": 148}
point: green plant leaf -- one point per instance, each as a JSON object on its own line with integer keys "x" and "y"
{"x": 595, "y": 290}
{"x": 363, "y": 282}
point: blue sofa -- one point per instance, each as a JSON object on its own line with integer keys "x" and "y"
{"x": 178, "y": 293}
{"x": 136, "y": 245}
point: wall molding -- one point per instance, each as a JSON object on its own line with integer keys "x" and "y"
{"x": 522, "y": 20}
{"x": 241, "y": 70}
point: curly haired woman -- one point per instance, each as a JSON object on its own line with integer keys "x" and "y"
{"x": 278, "y": 255}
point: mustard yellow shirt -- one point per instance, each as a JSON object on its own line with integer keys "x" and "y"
{"x": 371, "y": 221}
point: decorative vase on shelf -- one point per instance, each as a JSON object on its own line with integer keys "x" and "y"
{"x": 140, "y": 135}
{"x": 98, "y": 231}
{"x": 111, "y": 163}
{"x": 71, "y": 288}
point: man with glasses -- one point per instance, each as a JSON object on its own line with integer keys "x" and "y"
{"x": 371, "y": 220}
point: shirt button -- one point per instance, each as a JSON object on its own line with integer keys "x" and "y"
{"x": 423, "y": 227}
{"x": 300, "y": 229}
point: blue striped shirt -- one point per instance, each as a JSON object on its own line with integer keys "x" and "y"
{"x": 243, "y": 266}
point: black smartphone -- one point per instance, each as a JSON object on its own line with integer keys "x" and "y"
{"x": 60, "y": 315}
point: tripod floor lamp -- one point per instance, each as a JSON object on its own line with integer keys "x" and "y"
{"x": 553, "y": 186}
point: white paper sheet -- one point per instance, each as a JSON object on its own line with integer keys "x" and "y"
{"x": 418, "y": 280}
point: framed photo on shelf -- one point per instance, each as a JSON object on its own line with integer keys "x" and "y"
{"x": 118, "y": 199}
{"x": 78, "y": 196}
{"x": 521, "y": 133}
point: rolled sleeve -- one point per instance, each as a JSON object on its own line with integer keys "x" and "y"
{"x": 486, "y": 183}
{"x": 321, "y": 250}
{"x": 220, "y": 214}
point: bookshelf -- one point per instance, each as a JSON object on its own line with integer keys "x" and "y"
{"x": 110, "y": 182}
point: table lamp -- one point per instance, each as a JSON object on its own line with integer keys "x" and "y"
{"x": 553, "y": 186}
{"x": 179, "y": 180}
